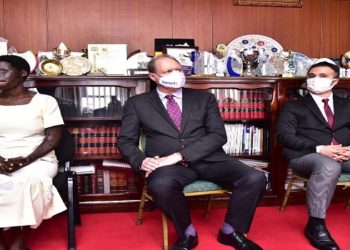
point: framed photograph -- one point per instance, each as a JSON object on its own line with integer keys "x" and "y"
{"x": 184, "y": 54}
{"x": 109, "y": 59}
{"x": 269, "y": 3}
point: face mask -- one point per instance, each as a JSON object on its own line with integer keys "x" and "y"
{"x": 319, "y": 85}
{"x": 174, "y": 79}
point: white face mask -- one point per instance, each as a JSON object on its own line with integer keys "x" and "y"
{"x": 175, "y": 80}
{"x": 319, "y": 85}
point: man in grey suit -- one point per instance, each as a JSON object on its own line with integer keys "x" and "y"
{"x": 184, "y": 138}
{"x": 315, "y": 133}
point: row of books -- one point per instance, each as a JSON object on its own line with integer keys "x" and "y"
{"x": 92, "y": 101}
{"x": 97, "y": 140}
{"x": 246, "y": 139}
{"x": 237, "y": 104}
{"x": 106, "y": 179}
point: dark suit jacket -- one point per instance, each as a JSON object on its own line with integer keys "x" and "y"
{"x": 301, "y": 126}
{"x": 201, "y": 138}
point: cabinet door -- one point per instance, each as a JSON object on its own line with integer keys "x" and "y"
{"x": 92, "y": 108}
{"x": 247, "y": 117}
{"x": 93, "y": 115}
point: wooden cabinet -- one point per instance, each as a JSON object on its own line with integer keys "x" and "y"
{"x": 248, "y": 107}
{"x": 250, "y": 104}
{"x": 92, "y": 108}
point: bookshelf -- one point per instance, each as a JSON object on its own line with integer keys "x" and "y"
{"x": 246, "y": 104}
{"x": 248, "y": 107}
{"x": 92, "y": 108}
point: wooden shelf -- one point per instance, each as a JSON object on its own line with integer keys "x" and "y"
{"x": 98, "y": 157}
{"x": 92, "y": 119}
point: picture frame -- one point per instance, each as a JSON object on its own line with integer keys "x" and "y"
{"x": 159, "y": 43}
{"x": 269, "y": 3}
{"x": 183, "y": 54}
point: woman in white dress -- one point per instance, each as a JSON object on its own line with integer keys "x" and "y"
{"x": 30, "y": 129}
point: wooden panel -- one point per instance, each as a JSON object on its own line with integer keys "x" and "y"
{"x": 25, "y": 24}
{"x": 136, "y": 23}
{"x": 43, "y": 24}
{"x": 336, "y": 36}
{"x": 2, "y": 18}
{"x": 288, "y": 26}
{"x": 193, "y": 19}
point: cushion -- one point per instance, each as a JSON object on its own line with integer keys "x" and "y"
{"x": 200, "y": 186}
{"x": 344, "y": 177}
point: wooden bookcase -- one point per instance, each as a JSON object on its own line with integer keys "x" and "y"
{"x": 92, "y": 109}
{"x": 266, "y": 94}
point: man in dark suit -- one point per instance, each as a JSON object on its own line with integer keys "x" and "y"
{"x": 184, "y": 138}
{"x": 315, "y": 133}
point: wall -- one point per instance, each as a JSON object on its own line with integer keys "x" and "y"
{"x": 318, "y": 29}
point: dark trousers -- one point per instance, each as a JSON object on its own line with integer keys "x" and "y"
{"x": 166, "y": 185}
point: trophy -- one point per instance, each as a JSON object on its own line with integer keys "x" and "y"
{"x": 61, "y": 51}
{"x": 289, "y": 68}
{"x": 221, "y": 51}
{"x": 249, "y": 57}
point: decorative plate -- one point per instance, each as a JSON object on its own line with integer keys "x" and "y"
{"x": 75, "y": 65}
{"x": 265, "y": 45}
{"x": 50, "y": 67}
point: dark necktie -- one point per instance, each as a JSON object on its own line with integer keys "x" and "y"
{"x": 330, "y": 117}
{"x": 174, "y": 111}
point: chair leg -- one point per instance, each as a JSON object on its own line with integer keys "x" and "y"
{"x": 286, "y": 196}
{"x": 77, "y": 217}
{"x": 165, "y": 232}
{"x": 208, "y": 207}
{"x": 141, "y": 207}
{"x": 347, "y": 204}
{"x": 71, "y": 214}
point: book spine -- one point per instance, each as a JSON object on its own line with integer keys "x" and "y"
{"x": 101, "y": 140}
{"x": 99, "y": 181}
{"x": 113, "y": 181}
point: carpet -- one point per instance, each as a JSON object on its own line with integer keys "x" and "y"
{"x": 271, "y": 229}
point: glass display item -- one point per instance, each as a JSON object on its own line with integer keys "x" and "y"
{"x": 249, "y": 57}
{"x": 234, "y": 64}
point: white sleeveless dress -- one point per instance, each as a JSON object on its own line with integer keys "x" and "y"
{"x": 27, "y": 197}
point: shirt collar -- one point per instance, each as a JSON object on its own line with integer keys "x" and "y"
{"x": 319, "y": 99}
{"x": 177, "y": 94}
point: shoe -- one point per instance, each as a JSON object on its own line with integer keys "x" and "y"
{"x": 238, "y": 241}
{"x": 320, "y": 238}
{"x": 187, "y": 243}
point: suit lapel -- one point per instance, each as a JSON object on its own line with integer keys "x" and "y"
{"x": 187, "y": 105}
{"x": 338, "y": 111}
{"x": 312, "y": 106}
